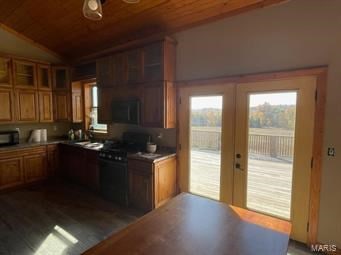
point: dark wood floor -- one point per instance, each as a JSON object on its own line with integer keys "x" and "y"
{"x": 57, "y": 219}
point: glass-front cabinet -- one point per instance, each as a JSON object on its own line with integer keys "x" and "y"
{"x": 44, "y": 77}
{"x": 5, "y": 73}
{"x": 153, "y": 62}
{"x": 61, "y": 78}
{"x": 24, "y": 74}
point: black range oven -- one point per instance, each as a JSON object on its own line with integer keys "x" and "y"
{"x": 113, "y": 168}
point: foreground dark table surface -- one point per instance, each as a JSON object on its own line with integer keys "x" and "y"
{"x": 190, "y": 224}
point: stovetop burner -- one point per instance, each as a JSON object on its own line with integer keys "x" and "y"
{"x": 118, "y": 150}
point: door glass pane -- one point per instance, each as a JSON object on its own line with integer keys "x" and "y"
{"x": 271, "y": 136}
{"x": 205, "y": 145}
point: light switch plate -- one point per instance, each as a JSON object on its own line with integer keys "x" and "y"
{"x": 331, "y": 152}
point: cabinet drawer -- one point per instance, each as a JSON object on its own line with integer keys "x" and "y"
{"x": 139, "y": 166}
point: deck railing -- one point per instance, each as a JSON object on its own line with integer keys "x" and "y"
{"x": 275, "y": 146}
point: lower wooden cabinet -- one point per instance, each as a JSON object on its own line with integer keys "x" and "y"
{"x": 11, "y": 172}
{"x": 151, "y": 184}
{"x": 140, "y": 190}
{"x": 52, "y": 160}
{"x": 35, "y": 167}
{"x": 24, "y": 166}
{"x": 80, "y": 165}
{"x": 27, "y": 105}
{"x": 7, "y": 105}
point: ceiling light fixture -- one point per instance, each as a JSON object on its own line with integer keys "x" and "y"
{"x": 92, "y": 9}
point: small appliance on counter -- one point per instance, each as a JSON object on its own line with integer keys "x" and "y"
{"x": 9, "y": 137}
{"x": 38, "y": 135}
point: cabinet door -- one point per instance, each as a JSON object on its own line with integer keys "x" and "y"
{"x": 165, "y": 181}
{"x": 61, "y": 106}
{"x": 104, "y": 76}
{"x": 7, "y": 106}
{"x": 105, "y": 96}
{"x": 140, "y": 190}
{"x": 5, "y": 72}
{"x": 77, "y": 109}
{"x": 153, "y": 62}
{"x": 27, "y": 106}
{"x": 35, "y": 167}
{"x": 24, "y": 74}
{"x": 11, "y": 173}
{"x": 44, "y": 77}
{"x": 119, "y": 69}
{"x": 52, "y": 160}
{"x": 45, "y": 106}
{"x": 91, "y": 171}
{"x": 134, "y": 66}
{"x": 60, "y": 78}
{"x": 153, "y": 106}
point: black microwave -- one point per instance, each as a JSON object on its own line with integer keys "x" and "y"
{"x": 126, "y": 112}
{"x": 9, "y": 138}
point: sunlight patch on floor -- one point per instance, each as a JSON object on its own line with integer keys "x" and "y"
{"x": 56, "y": 242}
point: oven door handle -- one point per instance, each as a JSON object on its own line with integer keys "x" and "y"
{"x": 106, "y": 161}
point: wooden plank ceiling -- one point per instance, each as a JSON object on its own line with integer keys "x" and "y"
{"x": 59, "y": 25}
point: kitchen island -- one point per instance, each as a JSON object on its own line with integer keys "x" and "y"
{"x": 190, "y": 224}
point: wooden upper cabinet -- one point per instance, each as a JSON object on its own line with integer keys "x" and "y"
{"x": 104, "y": 76}
{"x": 159, "y": 105}
{"x": 105, "y": 96}
{"x": 27, "y": 105}
{"x": 7, "y": 105}
{"x": 134, "y": 66}
{"x": 45, "y": 106}
{"x": 61, "y": 78}
{"x": 24, "y": 74}
{"x": 153, "y": 62}
{"x": 5, "y": 72}
{"x": 44, "y": 77}
{"x": 61, "y": 106}
{"x": 119, "y": 69}
{"x": 77, "y": 102}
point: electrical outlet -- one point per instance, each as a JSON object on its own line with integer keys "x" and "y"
{"x": 331, "y": 152}
{"x": 54, "y": 128}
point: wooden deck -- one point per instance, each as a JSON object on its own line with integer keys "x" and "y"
{"x": 269, "y": 183}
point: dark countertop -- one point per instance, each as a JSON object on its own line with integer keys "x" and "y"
{"x": 152, "y": 157}
{"x": 23, "y": 145}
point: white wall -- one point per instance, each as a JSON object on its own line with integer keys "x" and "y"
{"x": 298, "y": 34}
{"x": 13, "y": 45}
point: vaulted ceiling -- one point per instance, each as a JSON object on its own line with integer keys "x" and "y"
{"x": 59, "y": 25}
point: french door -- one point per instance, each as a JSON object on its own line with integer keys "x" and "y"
{"x": 250, "y": 145}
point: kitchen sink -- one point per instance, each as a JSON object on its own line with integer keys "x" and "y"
{"x": 90, "y": 145}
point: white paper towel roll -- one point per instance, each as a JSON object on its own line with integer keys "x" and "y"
{"x": 35, "y": 136}
{"x": 43, "y": 135}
